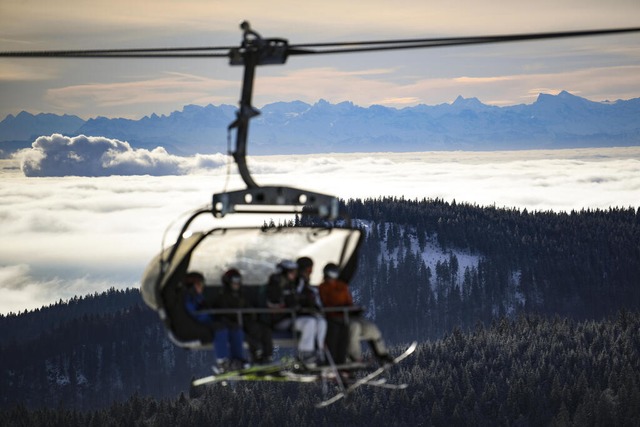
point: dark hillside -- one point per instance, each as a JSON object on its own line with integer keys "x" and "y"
{"x": 91, "y": 360}
{"x": 28, "y": 325}
{"x": 527, "y": 372}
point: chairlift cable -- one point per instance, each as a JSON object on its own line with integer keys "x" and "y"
{"x": 314, "y": 48}
{"x": 453, "y": 41}
{"x": 110, "y": 54}
{"x": 170, "y": 52}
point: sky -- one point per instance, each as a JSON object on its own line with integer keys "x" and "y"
{"x": 73, "y": 235}
{"x": 598, "y": 68}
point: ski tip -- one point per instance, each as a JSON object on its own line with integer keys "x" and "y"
{"x": 203, "y": 381}
{"x": 330, "y": 401}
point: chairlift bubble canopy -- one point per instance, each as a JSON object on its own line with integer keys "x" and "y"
{"x": 254, "y": 251}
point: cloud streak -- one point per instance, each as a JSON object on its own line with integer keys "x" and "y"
{"x": 176, "y": 88}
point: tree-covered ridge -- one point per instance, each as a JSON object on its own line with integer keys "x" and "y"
{"x": 582, "y": 264}
{"x": 93, "y": 360}
{"x": 20, "y": 327}
{"x": 532, "y": 370}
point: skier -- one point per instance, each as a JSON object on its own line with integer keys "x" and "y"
{"x": 335, "y": 293}
{"x": 227, "y": 342}
{"x": 256, "y": 333}
{"x": 282, "y": 293}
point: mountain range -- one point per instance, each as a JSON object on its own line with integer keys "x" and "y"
{"x": 552, "y": 121}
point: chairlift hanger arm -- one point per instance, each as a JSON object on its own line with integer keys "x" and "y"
{"x": 255, "y": 198}
{"x": 254, "y": 51}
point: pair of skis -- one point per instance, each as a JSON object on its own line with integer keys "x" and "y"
{"x": 291, "y": 372}
{"x": 370, "y": 379}
{"x": 275, "y": 372}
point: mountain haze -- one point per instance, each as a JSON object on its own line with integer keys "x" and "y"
{"x": 21, "y": 130}
{"x": 553, "y": 121}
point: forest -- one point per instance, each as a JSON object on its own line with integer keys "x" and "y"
{"x": 584, "y": 264}
{"x": 528, "y": 371}
{"x": 543, "y": 330}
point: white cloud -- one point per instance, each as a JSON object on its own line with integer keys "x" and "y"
{"x": 59, "y": 155}
{"x": 11, "y": 71}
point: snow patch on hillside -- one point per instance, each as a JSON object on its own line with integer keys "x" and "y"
{"x": 434, "y": 253}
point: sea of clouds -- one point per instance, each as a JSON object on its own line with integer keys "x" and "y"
{"x": 82, "y": 214}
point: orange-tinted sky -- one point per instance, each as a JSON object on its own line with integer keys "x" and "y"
{"x": 598, "y": 68}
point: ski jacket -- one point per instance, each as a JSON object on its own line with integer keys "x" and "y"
{"x": 193, "y": 302}
{"x": 335, "y": 293}
{"x": 308, "y": 299}
{"x": 281, "y": 293}
{"x": 229, "y": 299}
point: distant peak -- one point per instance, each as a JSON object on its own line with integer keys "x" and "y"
{"x": 191, "y": 107}
{"x": 562, "y": 95}
{"x": 563, "y": 98}
{"x": 566, "y": 95}
{"x": 467, "y": 102}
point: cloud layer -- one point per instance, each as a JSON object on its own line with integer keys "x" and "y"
{"x": 73, "y": 235}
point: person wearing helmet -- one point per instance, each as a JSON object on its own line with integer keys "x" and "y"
{"x": 305, "y": 267}
{"x": 256, "y": 333}
{"x": 194, "y": 298}
{"x": 335, "y": 293}
{"x": 282, "y": 293}
{"x": 229, "y": 298}
{"x": 310, "y": 322}
{"x": 194, "y": 304}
